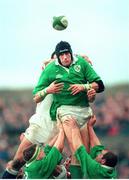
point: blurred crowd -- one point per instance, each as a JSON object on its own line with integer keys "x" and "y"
{"x": 112, "y": 112}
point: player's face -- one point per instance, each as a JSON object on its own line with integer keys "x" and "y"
{"x": 100, "y": 156}
{"x": 67, "y": 162}
{"x": 65, "y": 59}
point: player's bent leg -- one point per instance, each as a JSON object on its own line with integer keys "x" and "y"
{"x": 23, "y": 145}
{"x": 35, "y": 134}
{"x": 18, "y": 162}
{"x": 30, "y": 137}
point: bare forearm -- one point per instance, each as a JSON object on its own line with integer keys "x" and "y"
{"x": 40, "y": 95}
{"x": 76, "y": 138}
{"x": 53, "y": 140}
{"x": 94, "y": 140}
{"x": 37, "y": 98}
{"x": 98, "y": 86}
{"x": 95, "y": 86}
{"x": 59, "y": 144}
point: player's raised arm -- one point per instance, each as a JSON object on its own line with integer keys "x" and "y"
{"x": 94, "y": 140}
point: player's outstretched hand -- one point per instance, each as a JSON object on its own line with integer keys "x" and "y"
{"x": 59, "y": 125}
{"x": 71, "y": 122}
{"x": 92, "y": 121}
{"x": 91, "y": 95}
{"x": 76, "y": 88}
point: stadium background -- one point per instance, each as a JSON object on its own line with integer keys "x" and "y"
{"x": 110, "y": 107}
{"x": 97, "y": 28}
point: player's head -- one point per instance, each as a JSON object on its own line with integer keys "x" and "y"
{"x": 67, "y": 162}
{"x": 107, "y": 158}
{"x": 63, "y": 52}
{"x": 60, "y": 172}
{"x": 31, "y": 153}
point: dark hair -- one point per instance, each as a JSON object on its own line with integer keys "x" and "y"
{"x": 29, "y": 152}
{"x": 111, "y": 159}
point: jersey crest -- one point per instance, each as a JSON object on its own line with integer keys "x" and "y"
{"x": 77, "y": 68}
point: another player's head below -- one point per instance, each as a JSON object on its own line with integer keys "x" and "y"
{"x": 107, "y": 158}
{"x": 64, "y": 53}
{"x": 31, "y": 153}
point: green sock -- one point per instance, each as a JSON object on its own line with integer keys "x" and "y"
{"x": 76, "y": 172}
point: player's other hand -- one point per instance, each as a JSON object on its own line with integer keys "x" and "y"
{"x": 70, "y": 121}
{"x": 54, "y": 87}
{"x": 92, "y": 121}
{"x": 85, "y": 57}
{"x": 76, "y": 88}
{"x": 59, "y": 125}
{"x": 91, "y": 95}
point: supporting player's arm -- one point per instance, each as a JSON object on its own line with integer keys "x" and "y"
{"x": 94, "y": 140}
{"x": 46, "y": 62}
{"x": 59, "y": 144}
{"x": 85, "y": 57}
{"x": 91, "y": 94}
{"x": 76, "y": 136}
{"x": 53, "y": 140}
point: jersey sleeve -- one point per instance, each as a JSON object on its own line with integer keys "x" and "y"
{"x": 89, "y": 166}
{"x": 50, "y": 161}
{"x": 47, "y": 149}
{"x": 43, "y": 81}
{"x": 96, "y": 150}
{"x": 89, "y": 72}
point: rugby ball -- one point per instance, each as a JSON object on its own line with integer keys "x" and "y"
{"x": 60, "y": 23}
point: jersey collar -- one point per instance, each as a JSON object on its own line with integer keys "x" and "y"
{"x": 108, "y": 167}
{"x": 37, "y": 151}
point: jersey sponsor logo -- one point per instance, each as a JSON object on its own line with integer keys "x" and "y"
{"x": 59, "y": 76}
{"x": 77, "y": 68}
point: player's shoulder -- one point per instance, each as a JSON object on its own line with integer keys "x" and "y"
{"x": 50, "y": 66}
{"x": 80, "y": 59}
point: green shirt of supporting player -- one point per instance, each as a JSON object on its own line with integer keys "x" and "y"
{"x": 43, "y": 169}
{"x": 80, "y": 72}
{"x": 91, "y": 168}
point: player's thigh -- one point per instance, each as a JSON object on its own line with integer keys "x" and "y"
{"x": 25, "y": 143}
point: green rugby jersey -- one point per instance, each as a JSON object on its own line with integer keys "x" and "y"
{"x": 91, "y": 168}
{"x": 80, "y": 72}
{"x": 43, "y": 169}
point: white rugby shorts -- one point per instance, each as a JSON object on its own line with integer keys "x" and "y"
{"x": 41, "y": 127}
{"x": 82, "y": 114}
